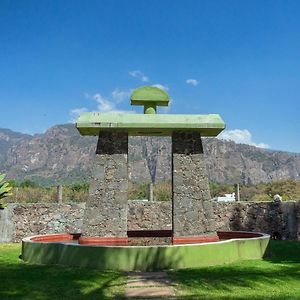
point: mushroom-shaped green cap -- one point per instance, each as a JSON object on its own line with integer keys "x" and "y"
{"x": 147, "y": 94}
{"x": 150, "y": 97}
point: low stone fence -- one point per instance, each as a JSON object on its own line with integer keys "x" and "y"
{"x": 281, "y": 220}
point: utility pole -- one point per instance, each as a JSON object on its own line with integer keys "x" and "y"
{"x": 237, "y": 192}
{"x": 59, "y": 194}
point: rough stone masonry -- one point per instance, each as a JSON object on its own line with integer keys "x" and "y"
{"x": 106, "y": 209}
{"x": 192, "y": 205}
{"x": 281, "y": 220}
{"x": 106, "y": 212}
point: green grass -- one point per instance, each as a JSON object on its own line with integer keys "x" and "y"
{"x": 19, "y": 280}
{"x": 277, "y": 277}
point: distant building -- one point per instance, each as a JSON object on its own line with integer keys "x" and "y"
{"x": 226, "y": 198}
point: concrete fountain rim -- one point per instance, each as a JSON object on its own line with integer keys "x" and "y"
{"x": 260, "y": 237}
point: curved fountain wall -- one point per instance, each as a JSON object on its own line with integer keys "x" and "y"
{"x": 63, "y": 249}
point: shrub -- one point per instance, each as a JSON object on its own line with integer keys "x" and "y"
{"x": 163, "y": 191}
{"x": 137, "y": 191}
{"x": 77, "y": 187}
{"x": 5, "y": 189}
{"x": 28, "y": 183}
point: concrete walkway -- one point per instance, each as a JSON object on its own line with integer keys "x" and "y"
{"x": 149, "y": 284}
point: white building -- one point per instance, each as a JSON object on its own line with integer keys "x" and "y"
{"x": 226, "y": 198}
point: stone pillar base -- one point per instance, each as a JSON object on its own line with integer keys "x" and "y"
{"x": 195, "y": 239}
{"x": 193, "y": 216}
{"x": 104, "y": 241}
{"x": 106, "y": 208}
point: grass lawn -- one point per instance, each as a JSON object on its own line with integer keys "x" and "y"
{"x": 277, "y": 277}
{"x": 23, "y": 281}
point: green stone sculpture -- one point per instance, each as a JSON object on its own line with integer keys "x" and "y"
{"x": 150, "y": 97}
{"x": 149, "y": 123}
{"x": 105, "y": 217}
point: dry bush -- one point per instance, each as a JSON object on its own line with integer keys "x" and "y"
{"x": 163, "y": 191}
{"x": 137, "y": 191}
{"x": 46, "y": 195}
{"x": 71, "y": 195}
{"x": 33, "y": 195}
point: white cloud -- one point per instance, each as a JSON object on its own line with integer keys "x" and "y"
{"x": 140, "y": 75}
{"x": 103, "y": 105}
{"x": 241, "y": 136}
{"x": 161, "y": 86}
{"x": 120, "y": 96}
{"x": 192, "y": 82}
{"x": 107, "y": 106}
{"x": 76, "y": 112}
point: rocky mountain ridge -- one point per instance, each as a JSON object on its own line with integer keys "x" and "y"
{"x": 61, "y": 155}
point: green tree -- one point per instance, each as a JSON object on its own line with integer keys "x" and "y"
{"x": 28, "y": 183}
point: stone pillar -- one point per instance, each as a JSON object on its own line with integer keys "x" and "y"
{"x": 193, "y": 218}
{"x": 105, "y": 216}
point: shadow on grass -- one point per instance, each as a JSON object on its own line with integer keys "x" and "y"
{"x": 284, "y": 252}
{"x": 276, "y": 277}
{"x": 22, "y": 281}
{"x": 238, "y": 278}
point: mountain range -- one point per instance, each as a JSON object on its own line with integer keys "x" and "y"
{"x": 61, "y": 155}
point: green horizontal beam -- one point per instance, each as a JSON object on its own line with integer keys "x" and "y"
{"x": 91, "y": 123}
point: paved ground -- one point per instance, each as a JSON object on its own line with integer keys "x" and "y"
{"x": 149, "y": 284}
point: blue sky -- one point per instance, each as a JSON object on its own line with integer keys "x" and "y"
{"x": 240, "y": 59}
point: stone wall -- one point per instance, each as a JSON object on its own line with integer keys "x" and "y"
{"x": 31, "y": 219}
{"x": 282, "y": 220}
{"x": 146, "y": 215}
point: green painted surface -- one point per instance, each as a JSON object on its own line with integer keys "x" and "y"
{"x": 149, "y": 123}
{"x": 150, "y": 97}
{"x": 91, "y": 123}
{"x": 145, "y": 258}
{"x": 150, "y": 108}
{"x": 146, "y": 94}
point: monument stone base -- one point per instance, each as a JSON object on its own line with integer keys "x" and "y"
{"x": 193, "y": 219}
{"x": 105, "y": 217}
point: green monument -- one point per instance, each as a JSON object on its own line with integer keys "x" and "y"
{"x": 105, "y": 219}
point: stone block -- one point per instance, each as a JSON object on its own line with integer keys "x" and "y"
{"x": 192, "y": 207}
{"x": 106, "y": 208}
